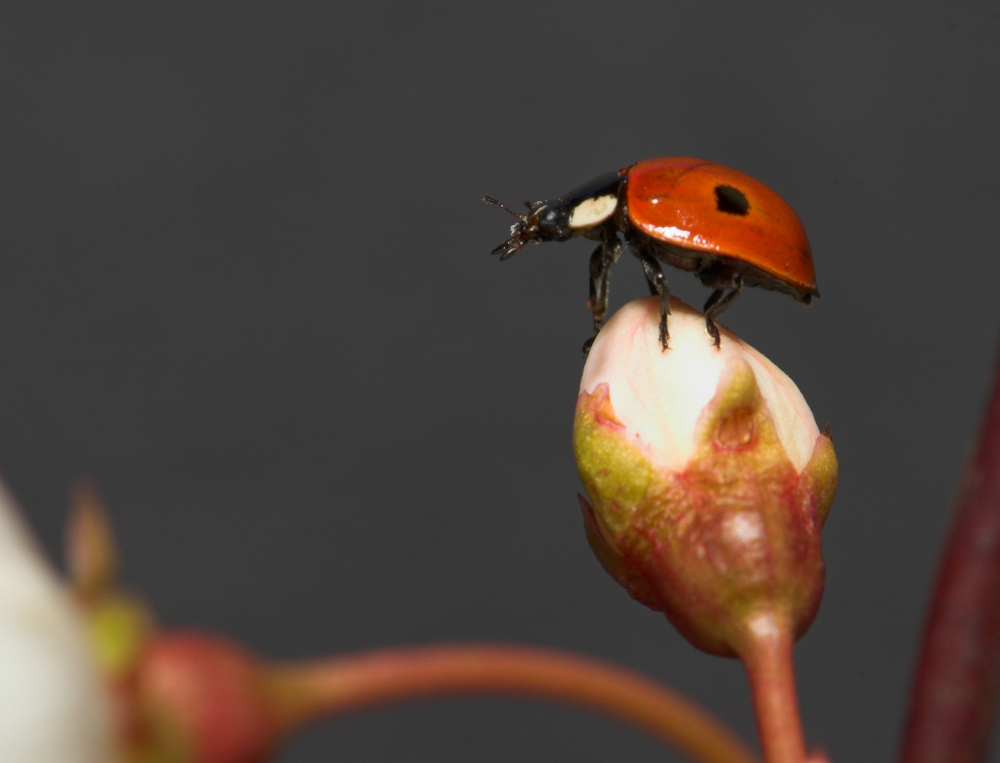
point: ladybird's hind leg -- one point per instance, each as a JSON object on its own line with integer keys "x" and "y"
{"x": 604, "y": 256}
{"x": 717, "y": 304}
{"x": 658, "y": 288}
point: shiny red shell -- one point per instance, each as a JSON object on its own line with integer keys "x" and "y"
{"x": 675, "y": 200}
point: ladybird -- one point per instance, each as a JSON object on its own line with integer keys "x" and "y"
{"x": 725, "y": 227}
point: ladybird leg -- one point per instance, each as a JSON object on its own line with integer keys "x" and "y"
{"x": 710, "y": 312}
{"x": 658, "y": 287}
{"x": 717, "y": 304}
{"x": 601, "y": 260}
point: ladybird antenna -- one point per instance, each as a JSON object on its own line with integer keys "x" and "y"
{"x": 491, "y": 200}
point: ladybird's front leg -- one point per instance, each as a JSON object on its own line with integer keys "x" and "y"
{"x": 604, "y": 256}
{"x": 658, "y": 287}
{"x": 717, "y": 304}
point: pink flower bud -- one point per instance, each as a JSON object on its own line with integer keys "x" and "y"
{"x": 709, "y": 478}
{"x": 203, "y": 699}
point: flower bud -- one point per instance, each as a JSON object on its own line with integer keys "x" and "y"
{"x": 709, "y": 478}
{"x": 178, "y": 696}
{"x": 203, "y": 699}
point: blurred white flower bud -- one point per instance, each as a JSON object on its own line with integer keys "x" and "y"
{"x": 53, "y": 708}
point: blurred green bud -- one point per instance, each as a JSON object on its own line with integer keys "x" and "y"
{"x": 708, "y": 477}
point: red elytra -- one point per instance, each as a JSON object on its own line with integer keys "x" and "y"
{"x": 674, "y": 199}
{"x": 693, "y": 214}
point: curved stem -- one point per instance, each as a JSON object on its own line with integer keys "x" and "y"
{"x": 310, "y": 691}
{"x": 954, "y": 694}
{"x": 768, "y": 662}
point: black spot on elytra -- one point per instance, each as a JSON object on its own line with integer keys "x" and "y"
{"x": 731, "y": 200}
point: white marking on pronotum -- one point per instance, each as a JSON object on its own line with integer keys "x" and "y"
{"x": 668, "y": 231}
{"x": 592, "y": 211}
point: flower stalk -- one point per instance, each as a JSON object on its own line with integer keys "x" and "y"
{"x": 199, "y": 698}
{"x": 954, "y": 695}
{"x": 322, "y": 689}
{"x": 768, "y": 663}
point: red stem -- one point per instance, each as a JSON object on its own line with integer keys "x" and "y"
{"x": 955, "y": 690}
{"x": 768, "y": 662}
{"x": 310, "y": 691}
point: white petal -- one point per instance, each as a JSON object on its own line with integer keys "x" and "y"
{"x": 790, "y": 412}
{"x": 659, "y": 395}
{"x": 52, "y": 706}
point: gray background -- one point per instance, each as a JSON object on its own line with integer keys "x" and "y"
{"x": 245, "y": 286}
